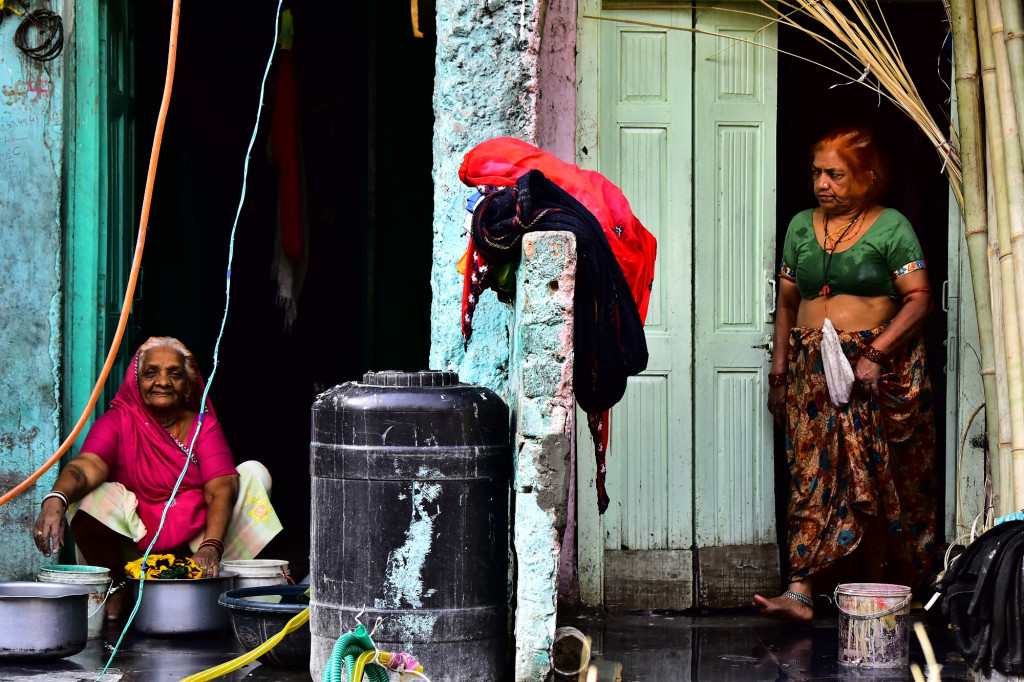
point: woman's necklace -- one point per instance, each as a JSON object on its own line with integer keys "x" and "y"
{"x": 841, "y": 231}
{"x": 826, "y": 261}
{"x": 174, "y": 431}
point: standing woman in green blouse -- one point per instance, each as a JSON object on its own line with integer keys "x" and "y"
{"x": 862, "y": 470}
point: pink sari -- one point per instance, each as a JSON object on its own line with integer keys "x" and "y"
{"x": 144, "y": 457}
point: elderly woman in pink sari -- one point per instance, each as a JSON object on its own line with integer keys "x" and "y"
{"x": 116, "y": 490}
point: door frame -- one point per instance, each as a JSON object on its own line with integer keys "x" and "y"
{"x": 964, "y": 475}
{"x": 93, "y": 200}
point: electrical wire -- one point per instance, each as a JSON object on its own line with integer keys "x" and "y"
{"x": 50, "y": 29}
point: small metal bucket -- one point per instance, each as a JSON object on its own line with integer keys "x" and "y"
{"x": 874, "y": 625}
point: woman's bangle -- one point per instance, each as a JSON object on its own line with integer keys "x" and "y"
{"x": 59, "y": 495}
{"x": 213, "y": 542}
{"x": 879, "y": 357}
{"x": 922, "y": 290}
{"x": 777, "y": 379}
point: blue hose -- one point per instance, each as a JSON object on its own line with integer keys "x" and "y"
{"x": 343, "y": 658}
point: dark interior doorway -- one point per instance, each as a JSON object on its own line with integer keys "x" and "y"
{"x": 809, "y": 106}
{"x": 365, "y": 108}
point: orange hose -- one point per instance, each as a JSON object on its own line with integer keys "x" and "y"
{"x": 126, "y": 306}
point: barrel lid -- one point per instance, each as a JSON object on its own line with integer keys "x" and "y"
{"x": 421, "y": 378}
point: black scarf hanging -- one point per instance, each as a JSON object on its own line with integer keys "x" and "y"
{"x": 609, "y": 337}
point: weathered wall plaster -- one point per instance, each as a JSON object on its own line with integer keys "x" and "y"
{"x": 507, "y": 67}
{"x": 542, "y": 370}
{"x": 485, "y": 86}
{"x": 31, "y": 148}
{"x": 556, "y": 78}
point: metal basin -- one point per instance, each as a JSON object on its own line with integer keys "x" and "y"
{"x": 42, "y": 620}
{"x": 182, "y": 607}
{"x": 258, "y": 613}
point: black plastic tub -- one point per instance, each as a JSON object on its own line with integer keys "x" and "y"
{"x": 259, "y": 613}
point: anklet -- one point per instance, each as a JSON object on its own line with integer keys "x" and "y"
{"x": 802, "y": 598}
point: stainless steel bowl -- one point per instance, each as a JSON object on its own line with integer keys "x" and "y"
{"x": 182, "y": 607}
{"x": 43, "y": 620}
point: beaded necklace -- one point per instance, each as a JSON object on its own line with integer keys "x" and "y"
{"x": 826, "y": 261}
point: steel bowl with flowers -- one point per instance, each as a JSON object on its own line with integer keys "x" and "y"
{"x": 176, "y": 599}
{"x": 164, "y": 567}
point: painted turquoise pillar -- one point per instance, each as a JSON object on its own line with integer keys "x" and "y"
{"x": 31, "y": 159}
{"x": 485, "y": 86}
{"x": 541, "y": 387}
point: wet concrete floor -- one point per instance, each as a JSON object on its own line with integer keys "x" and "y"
{"x": 740, "y": 647}
{"x": 636, "y": 647}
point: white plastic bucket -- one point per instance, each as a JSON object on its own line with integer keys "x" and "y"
{"x": 874, "y": 625}
{"x": 96, "y": 578}
{"x": 257, "y": 572}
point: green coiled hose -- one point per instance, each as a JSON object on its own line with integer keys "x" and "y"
{"x": 344, "y": 658}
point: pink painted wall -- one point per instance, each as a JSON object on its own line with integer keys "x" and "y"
{"x": 556, "y": 66}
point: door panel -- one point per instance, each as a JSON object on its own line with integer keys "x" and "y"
{"x": 691, "y": 144}
{"x": 640, "y": 88}
{"x": 734, "y": 253}
{"x": 119, "y": 198}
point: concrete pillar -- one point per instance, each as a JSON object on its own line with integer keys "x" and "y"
{"x": 542, "y": 366}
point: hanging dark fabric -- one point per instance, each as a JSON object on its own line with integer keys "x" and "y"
{"x": 608, "y": 338}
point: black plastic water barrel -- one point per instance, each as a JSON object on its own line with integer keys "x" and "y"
{"x": 410, "y": 489}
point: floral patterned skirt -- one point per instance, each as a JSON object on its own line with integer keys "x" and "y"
{"x": 254, "y": 523}
{"x": 873, "y": 458}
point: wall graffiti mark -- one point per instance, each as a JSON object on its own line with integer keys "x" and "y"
{"x": 11, "y": 139}
{"x": 23, "y": 92}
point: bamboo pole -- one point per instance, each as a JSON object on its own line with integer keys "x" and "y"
{"x": 999, "y": 212}
{"x": 975, "y": 231}
{"x": 1011, "y": 254}
{"x": 1004, "y": 451}
{"x": 1014, "y": 26}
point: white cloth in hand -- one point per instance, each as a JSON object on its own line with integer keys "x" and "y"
{"x": 838, "y": 372}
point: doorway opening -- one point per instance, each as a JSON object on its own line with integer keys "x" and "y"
{"x": 364, "y": 103}
{"x": 813, "y": 101}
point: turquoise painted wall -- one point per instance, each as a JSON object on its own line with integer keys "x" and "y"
{"x": 541, "y": 372}
{"x": 508, "y": 68}
{"x": 31, "y": 149}
{"x": 484, "y": 87}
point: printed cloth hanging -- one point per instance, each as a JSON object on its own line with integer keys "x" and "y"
{"x": 501, "y": 161}
{"x": 615, "y": 274}
{"x": 291, "y": 240}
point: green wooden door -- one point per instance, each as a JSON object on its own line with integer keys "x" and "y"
{"x": 119, "y": 160}
{"x": 733, "y": 263}
{"x": 690, "y": 141}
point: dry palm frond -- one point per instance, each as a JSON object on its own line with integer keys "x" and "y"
{"x": 869, "y": 41}
{"x": 863, "y": 43}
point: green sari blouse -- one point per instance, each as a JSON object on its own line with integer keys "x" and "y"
{"x": 888, "y": 250}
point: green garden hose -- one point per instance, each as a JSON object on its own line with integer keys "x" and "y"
{"x": 345, "y": 657}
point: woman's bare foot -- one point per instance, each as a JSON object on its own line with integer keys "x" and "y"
{"x": 784, "y": 607}
{"x": 115, "y": 606}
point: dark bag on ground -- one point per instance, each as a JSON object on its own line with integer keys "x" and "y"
{"x": 982, "y": 599}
